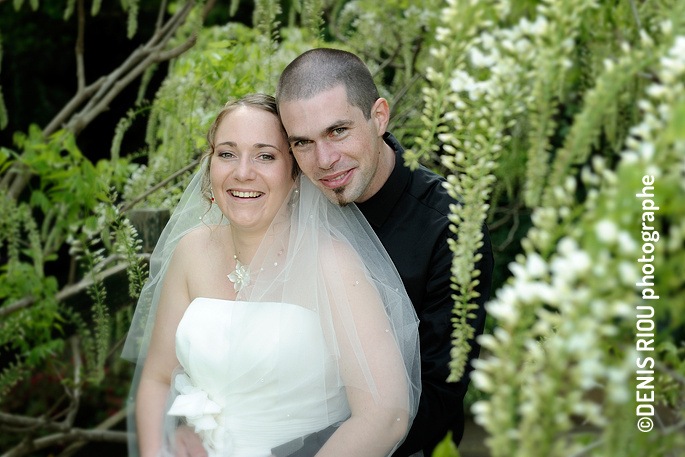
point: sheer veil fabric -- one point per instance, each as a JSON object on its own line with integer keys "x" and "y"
{"x": 320, "y": 276}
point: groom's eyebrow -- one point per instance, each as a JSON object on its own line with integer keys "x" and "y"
{"x": 338, "y": 124}
{"x": 325, "y": 131}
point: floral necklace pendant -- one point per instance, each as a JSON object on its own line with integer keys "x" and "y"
{"x": 240, "y": 277}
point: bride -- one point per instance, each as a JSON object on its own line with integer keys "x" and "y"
{"x": 270, "y": 313}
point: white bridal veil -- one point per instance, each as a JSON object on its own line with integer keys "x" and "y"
{"x": 327, "y": 261}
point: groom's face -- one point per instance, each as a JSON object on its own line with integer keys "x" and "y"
{"x": 335, "y": 145}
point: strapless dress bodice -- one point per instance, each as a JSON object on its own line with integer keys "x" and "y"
{"x": 254, "y": 376}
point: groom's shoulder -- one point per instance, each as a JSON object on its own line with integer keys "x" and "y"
{"x": 427, "y": 188}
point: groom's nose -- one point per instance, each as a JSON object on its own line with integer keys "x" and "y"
{"x": 326, "y": 155}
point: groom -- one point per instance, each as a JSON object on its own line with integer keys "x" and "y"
{"x": 336, "y": 120}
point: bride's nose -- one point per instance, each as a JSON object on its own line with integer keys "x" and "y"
{"x": 244, "y": 170}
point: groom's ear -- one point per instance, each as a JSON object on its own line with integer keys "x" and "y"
{"x": 380, "y": 115}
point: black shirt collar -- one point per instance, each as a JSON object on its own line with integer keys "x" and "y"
{"x": 377, "y": 208}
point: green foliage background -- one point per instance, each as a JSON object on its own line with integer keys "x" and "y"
{"x": 543, "y": 115}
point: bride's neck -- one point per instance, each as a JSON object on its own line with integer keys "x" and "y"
{"x": 245, "y": 244}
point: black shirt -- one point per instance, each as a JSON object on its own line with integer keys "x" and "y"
{"x": 410, "y": 216}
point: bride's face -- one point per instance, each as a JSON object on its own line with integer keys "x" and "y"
{"x": 251, "y": 169}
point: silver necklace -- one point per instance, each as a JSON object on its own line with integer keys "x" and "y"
{"x": 240, "y": 277}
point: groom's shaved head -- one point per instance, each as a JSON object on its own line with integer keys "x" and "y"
{"x": 319, "y": 70}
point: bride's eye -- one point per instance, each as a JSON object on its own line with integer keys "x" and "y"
{"x": 225, "y": 154}
{"x": 267, "y": 157}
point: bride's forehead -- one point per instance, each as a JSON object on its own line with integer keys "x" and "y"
{"x": 250, "y": 123}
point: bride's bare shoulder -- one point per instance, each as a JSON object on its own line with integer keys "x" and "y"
{"x": 205, "y": 238}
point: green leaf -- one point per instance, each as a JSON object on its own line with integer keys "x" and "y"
{"x": 17, "y": 4}
{"x": 234, "y": 7}
{"x": 3, "y": 112}
{"x": 38, "y": 198}
{"x": 69, "y": 10}
{"x": 446, "y": 447}
{"x": 221, "y": 44}
{"x": 34, "y": 4}
{"x": 676, "y": 128}
{"x": 95, "y": 9}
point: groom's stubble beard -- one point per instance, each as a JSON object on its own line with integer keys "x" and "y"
{"x": 339, "y": 191}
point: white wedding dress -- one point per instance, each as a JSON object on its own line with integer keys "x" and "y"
{"x": 254, "y": 376}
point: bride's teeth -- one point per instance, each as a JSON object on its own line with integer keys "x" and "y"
{"x": 237, "y": 193}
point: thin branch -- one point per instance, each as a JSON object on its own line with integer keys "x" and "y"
{"x": 76, "y": 393}
{"x": 637, "y": 18}
{"x": 334, "y": 30}
{"x": 116, "y": 347}
{"x": 159, "y": 185}
{"x": 675, "y": 375}
{"x": 75, "y": 434}
{"x": 80, "y": 68}
{"x": 389, "y": 60}
{"x": 402, "y": 92}
{"x": 160, "y": 15}
{"x": 105, "y": 425}
{"x": 140, "y": 59}
{"x": 208, "y": 7}
{"x": 587, "y": 448}
{"x": 32, "y": 422}
{"x": 394, "y": 118}
{"x": 74, "y": 103}
{"x": 510, "y": 236}
{"x": 178, "y": 50}
{"x": 68, "y": 291}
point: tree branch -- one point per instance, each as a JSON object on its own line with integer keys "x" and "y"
{"x": 160, "y": 15}
{"x": 389, "y": 60}
{"x": 334, "y": 30}
{"x": 140, "y": 59}
{"x": 101, "y": 93}
{"x": 159, "y": 185}
{"x": 80, "y": 68}
{"x": 76, "y": 393}
{"x": 67, "y": 291}
{"x": 75, "y": 434}
{"x": 106, "y": 424}
{"x": 72, "y": 105}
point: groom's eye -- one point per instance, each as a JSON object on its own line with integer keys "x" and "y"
{"x": 301, "y": 143}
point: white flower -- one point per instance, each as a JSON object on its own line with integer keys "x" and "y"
{"x": 536, "y": 266}
{"x": 481, "y": 410}
{"x": 518, "y": 270}
{"x": 606, "y": 231}
{"x": 627, "y": 273}
{"x": 482, "y": 381}
{"x": 626, "y": 243}
{"x": 647, "y": 150}
{"x": 567, "y": 246}
{"x": 504, "y": 311}
{"x": 621, "y": 309}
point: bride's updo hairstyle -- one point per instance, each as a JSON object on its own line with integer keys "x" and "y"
{"x": 263, "y": 102}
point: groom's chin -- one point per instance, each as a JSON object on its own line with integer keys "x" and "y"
{"x": 336, "y": 196}
{"x": 339, "y": 197}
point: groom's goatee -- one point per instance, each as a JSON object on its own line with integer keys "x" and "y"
{"x": 339, "y": 195}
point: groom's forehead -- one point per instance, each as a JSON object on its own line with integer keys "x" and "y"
{"x": 320, "y": 113}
